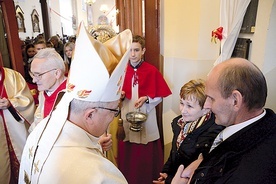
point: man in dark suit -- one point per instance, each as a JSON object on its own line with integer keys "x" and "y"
{"x": 236, "y": 93}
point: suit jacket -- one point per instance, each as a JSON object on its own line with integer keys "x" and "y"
{"x": 198, "y": 141}
{"x": 248, "y": 156}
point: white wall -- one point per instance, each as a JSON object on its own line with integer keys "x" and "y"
{"x": 60, "y": 14}
{"x": 66, "y": 17}
{"x": 269, "y": 66}
{"x": 54, "y": 17}
{"x": 54, "y": 13}
{"x": 28, "y": 6}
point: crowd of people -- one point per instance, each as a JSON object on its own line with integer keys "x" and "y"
{"x": 62, "y": 46}
{"x": 222, "y": 135}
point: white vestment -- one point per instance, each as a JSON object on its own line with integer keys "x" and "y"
{"x": 76, "y": 157}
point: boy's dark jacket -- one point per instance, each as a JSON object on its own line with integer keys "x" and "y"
{"x": 198, "y": 141}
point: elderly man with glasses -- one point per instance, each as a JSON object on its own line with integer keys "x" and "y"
{"x": 47, "y": 71}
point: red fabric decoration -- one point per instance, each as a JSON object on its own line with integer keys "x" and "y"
{"x": 217, "y": 34}
{"x": 151, "y": 82}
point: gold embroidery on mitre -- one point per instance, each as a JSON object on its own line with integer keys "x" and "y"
{"x": 84, "y": 93}
{"x": 31, "y": 152}
{"x": 70, "y": 87}
{"x": 26, "y": 178}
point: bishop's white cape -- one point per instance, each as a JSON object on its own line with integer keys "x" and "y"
{"x": 64, "y": 160}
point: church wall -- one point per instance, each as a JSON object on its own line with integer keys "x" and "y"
{"x": 27, "y": 7}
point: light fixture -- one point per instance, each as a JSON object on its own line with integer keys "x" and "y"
{"x": 90, "y": 2}
{"x": 104, "y": 8}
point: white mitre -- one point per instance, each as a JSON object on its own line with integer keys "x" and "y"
{"x": 96, "y": 74}
{"x": 89, "y": 78}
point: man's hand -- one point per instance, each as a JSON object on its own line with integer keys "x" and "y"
{"x": 183, "y": 176}
{"x": 106, "y": 142}
{"x": 189, "y": 171}
{"x": 123, "y": 95}
{"x": 4, "y": 103}
{"x": 161, "y": 179}
{"x": 178, "y": 179}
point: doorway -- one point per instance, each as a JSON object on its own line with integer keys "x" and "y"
{"x": 143, "y": 17}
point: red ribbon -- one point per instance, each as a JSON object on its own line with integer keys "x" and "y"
{"x": 217, "y": 34}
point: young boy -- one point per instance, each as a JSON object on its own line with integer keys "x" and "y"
{"x": 140, "y": 155}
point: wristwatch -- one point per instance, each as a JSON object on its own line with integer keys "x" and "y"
{"x": 147, "y": 101}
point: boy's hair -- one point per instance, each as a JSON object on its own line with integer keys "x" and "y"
{"x": 40, "y": 41}
{"x": 139, "y": 39}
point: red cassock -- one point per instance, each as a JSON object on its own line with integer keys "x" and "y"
{"x": 142, "y": 162}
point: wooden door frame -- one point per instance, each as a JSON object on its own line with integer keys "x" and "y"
{"x": 45, "y": 19}
{"x": 13, "y": 41}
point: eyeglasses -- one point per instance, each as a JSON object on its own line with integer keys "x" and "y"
{"x": 117, "y": 111}
{"x": 39, "y": 75}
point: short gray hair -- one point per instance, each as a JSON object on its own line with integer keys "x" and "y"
{"x": 78, "y": 106}
{"x": 52, "y": 58}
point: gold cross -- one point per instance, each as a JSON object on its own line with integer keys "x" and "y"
{"x": 36, "y": 167}
{"x": 31, "y": 152}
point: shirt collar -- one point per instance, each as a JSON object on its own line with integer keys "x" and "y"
{"x": 228, "y": 131}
